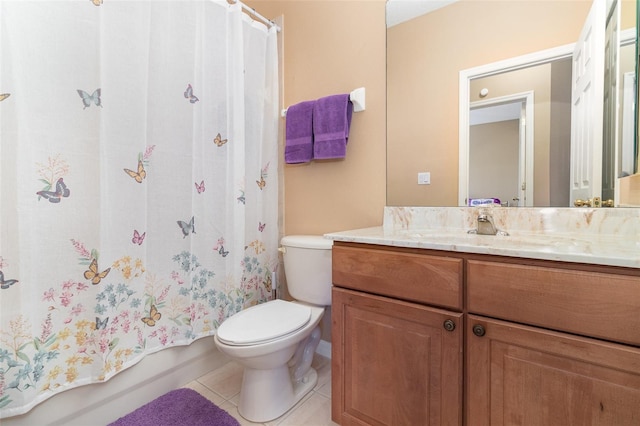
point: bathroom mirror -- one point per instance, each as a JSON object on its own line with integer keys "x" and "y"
{"x": 424, "y": 58}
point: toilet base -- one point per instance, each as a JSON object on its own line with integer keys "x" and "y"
{"x": 268, "y": 394}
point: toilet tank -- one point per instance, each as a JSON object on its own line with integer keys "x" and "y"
{"x": 307, "y": 268}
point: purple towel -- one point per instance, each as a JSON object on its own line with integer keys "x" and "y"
{"x": 331, "y": 121}
{"x": 299, "y": 142}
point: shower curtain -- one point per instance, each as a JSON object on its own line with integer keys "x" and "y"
{"x": 138, "y": 183}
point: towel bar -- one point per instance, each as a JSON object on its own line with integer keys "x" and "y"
{"x": 357, "y": 97}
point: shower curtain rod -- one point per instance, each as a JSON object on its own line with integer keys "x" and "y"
{"x": 253, "y": 12}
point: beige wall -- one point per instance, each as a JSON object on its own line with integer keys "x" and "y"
{"x": 334, "y": 47}
{"x": 422, "y": 104}
{"x": 630, "y": 191}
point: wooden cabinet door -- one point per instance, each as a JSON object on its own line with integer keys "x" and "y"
{"x": 520, "y": 375}
{"x": 394, "y": 363}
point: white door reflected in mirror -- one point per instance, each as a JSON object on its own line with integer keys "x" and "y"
{"x": 501, "y": 146}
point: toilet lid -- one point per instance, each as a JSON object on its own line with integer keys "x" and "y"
{"x": 263, "y": 322}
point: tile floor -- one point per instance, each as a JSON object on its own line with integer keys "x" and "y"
{"x": 222, "y": 387}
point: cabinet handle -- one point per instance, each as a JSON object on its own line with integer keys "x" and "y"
{"x": 449, "y": 325}
{"x": 479, "y": 330}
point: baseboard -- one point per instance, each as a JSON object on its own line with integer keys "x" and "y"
{"x": 103, "y": 403}
{"x": 324, "y": 349}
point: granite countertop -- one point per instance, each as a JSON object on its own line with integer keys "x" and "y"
{"x": 568, "y": 235}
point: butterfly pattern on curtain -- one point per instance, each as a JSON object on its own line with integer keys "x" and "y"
{"x": 119, "y": 249}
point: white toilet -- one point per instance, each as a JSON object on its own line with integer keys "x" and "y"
{"x": 275, "y": 341}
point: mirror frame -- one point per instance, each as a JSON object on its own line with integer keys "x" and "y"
{"x": 627, "y": 36}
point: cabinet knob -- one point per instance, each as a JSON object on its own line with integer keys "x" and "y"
{"x": 479, "y": 330}
{"x": 449, "y": 325}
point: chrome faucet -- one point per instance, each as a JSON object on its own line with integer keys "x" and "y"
{"x": 486, "y": 226}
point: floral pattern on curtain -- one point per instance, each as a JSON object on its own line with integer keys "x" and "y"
{"x": 138, "y": 183}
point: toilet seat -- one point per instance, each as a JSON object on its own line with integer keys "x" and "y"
{"x": 263, "y": 323}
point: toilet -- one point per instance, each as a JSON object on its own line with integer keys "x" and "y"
{"x": 275, "y": 341}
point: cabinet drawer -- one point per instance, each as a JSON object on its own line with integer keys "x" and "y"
{"x": 595, "y": 304}
{"x": 434, "y": 280}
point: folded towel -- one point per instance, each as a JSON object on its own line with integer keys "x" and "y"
{"x": 299, "y": 127}
{"x": 331, "y": 121}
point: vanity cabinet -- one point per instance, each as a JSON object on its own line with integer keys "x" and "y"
{"x": 395, "y": 362}
{"x": 551, "y": 345}
{"x": 531, "y": 342}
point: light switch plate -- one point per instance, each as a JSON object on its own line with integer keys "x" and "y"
{"x": 424, "y": 178}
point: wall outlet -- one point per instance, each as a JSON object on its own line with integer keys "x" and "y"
{"x": 424, "y": 178}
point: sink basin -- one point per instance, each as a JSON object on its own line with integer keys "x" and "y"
{"x": 584, "y": 245}
{"x": 460, "y": 237}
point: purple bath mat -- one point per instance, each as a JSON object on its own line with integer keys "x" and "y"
{"x": 177, "y": 408}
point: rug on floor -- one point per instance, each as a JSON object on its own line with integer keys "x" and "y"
{"x": 176, "y": 408}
